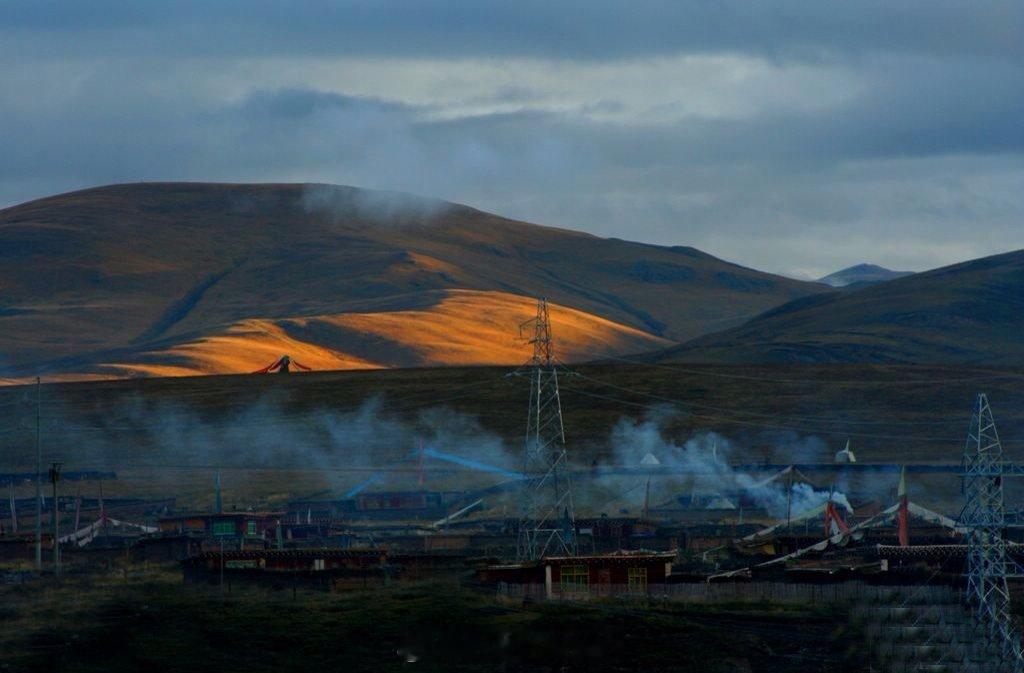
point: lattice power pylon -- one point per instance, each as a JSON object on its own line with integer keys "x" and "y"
{"x": 546, "y": 522}
{"x": 984, "y": 517}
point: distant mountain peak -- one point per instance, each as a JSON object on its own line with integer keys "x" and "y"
{"x": 862, "y": 274}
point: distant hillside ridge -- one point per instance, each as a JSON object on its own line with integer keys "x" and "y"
{"x": 109, "y": 280}
{"x": 966, "y": 313}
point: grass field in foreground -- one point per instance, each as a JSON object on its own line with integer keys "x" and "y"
{"x": 154, "y": 623}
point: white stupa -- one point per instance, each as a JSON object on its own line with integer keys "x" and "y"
{"x": 650, "y": 460}
{"x": 845, "y": 456}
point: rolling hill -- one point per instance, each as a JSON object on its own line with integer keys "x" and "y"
{"x": 177, "y": 278}
{"x": 967, "y": 313}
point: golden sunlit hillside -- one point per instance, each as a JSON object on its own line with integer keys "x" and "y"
{"x": 456, "y": 327}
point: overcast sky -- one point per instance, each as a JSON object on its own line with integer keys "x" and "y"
{"x": 795, "y": 137}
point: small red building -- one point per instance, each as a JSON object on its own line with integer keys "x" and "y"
{"x": 374, "y": 500}
{"x": 261, "y": 525}
{"x": 290, "y": 560}
{"x": 323, "y": 567}
{"x": 604, "y": 574}
{"x": 166, "y": 547}
{"x": 405, "y": 504}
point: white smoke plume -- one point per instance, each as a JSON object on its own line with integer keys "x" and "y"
{"x": 346, "y": 445}
{"x": 704, "y": 463}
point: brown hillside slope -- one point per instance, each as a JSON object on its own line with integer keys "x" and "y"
{"x": 92, "y": 276}
{"x": 967, "y": 313}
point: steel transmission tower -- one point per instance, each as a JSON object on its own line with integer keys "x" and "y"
{"x": 546, "y": 522}
{"x": 984, "y": 518}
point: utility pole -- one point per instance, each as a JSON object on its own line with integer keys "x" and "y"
{"x": 54, "y": 478}
{"x": 78, "y": 508}
{"x": 789, "y": 501}
{"x": 39, "y": 478}
{"x": 14, "y": 507}
{"x": 547, "y": 522}
{"x": 222, "y": 565}
{"x": 103, "y": 511}
{"x": 218, "y": 505}
{"x": 646, "y": 512}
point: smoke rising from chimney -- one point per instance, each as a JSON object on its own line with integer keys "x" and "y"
{"x": 704, "y": 462}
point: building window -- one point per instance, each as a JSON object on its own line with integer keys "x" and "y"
{"x": 223, "y": 527}
{"x": 250, "y": 528}
{"x": 637, "y": 578}
{"x": 575, "y": 577}
{"x": 318, "y": 564}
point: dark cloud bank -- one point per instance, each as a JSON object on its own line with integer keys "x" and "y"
{"x": 868, "y": 132}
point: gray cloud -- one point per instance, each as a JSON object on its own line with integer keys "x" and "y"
{"x": 597, "y": 29}
{"x": 788, "y": 136}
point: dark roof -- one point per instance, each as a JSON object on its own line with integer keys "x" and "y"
{"x": 221, "y": 515}
{"x": 620, "y": 557}
{"x": 311, "y": 552}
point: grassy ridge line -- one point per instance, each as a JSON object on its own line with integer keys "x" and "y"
{"x": 920, "y": 407}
